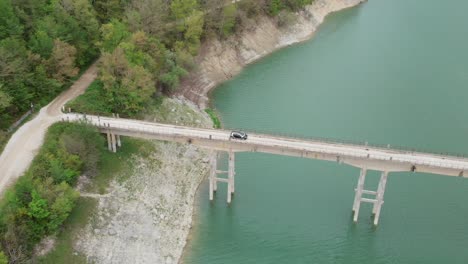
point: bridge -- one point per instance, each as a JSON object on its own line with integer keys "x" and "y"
{"x": 365, "y": 157}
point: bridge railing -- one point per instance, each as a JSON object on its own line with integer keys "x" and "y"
{"x": 357, "y": 143}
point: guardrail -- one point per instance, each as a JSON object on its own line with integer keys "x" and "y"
{"x": 334, "y": 140}
{"x": 359, "y": 143}
{"x": 168, "y": 131}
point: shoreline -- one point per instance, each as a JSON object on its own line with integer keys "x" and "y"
{"x": 211, "y": 86}
{"x": 221, "y": 61}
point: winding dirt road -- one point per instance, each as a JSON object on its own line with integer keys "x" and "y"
{"x": 27, "y": 140}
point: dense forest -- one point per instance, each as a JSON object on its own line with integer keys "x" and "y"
{"x": 144, "y": 46}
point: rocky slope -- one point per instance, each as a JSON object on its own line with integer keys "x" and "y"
{"x": 147, "y": 217}
{"x": 220, "y": 61}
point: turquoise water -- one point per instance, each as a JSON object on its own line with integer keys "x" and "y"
{"x": 386, "y": 72}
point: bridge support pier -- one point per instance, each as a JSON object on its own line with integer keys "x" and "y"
{"x": 380, "y": 193}
{"x": 113, "y": 140}
{"x": 377, "y": 202}
{"x": 119, "y": 143}
{"x": 213, "y": 180}
{"x": 109, "y": 142}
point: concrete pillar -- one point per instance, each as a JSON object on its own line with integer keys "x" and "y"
{"x": 232, "y": 171}
{"x": 380, "y": 194}
{"x": 119, "y": 143}
{"x": 109, "y": 141}
{"x": 213, "y": 176}
{"x": 215, "y": 182}
{"x": 114, "y": 143}
{"x": 358, "y": 195}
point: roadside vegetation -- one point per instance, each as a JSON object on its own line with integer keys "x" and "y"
{"x": 42, "y": 199}
{"x": 112, "y": 166}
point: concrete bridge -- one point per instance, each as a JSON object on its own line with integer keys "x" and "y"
{"x": 364, "y": 157}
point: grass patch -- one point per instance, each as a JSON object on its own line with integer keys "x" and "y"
{"x": 91, "y": 101}
{"x": 118, "y": 164}
{"x": 214, "y": 117}
{"x": 63, "y": 251}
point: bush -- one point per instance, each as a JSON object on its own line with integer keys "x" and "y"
{"x": 214, "y": 117}
{"x": 91, "y": 102}
{"x": 3, "y": 258}
{"x": 286, "y": 18}
{"x": 41, "y": 200}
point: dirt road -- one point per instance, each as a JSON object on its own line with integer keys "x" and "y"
{"x": 27, "y": 140}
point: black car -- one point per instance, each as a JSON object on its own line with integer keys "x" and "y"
{"x": 238, "y": 135}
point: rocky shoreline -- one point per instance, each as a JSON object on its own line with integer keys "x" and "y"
{"x": 220, "y": 61}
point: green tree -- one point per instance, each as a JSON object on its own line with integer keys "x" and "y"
{"x": 108, "y": 9}
{"x": 276, "y": 6}
{"x": 85, "y": 15}
{"x": 229, "y": 19}
{"x": 3, "y": 258}
{"x": 61, "y": 207}
{"x": 42, "y": 44}
{"x": 127, "y": 87}
{"x": 61, "y": 64}
{"x": 297, "y": 4}
{"x": 112, "y": 34}
{"x": 5, "y": 99}
{"x": 9, "y": 23}
{"x": 170, "y": 77}
{"x": 149, "y": 16}
{"x": 193, "y": 32}
{"x": 181, "y": 10}
{"x": 38, "y": 208}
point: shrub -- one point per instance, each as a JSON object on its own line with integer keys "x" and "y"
{"x": 42, "y": 199}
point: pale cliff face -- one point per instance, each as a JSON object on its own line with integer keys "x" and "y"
{"x": 220, "y": 61}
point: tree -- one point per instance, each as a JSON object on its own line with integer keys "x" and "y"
{"x": 148, "y": 15}
{"x": 61, "y": 64}
{"x": 194, "y": 29}
{"x": 38, "y": 207}
{"x": 127, "y": 87}
{"x": 182, "y": 9}
{"x": 297, "y": 4}
{"x": 3, "y": 258}
{"x": 15, "y": 73}
{"x": 170, "y": 78}
{"x": 5, "y": 99}
{"x": 9, "y": 23}
{"x": 108, "y": 9}
{"x": 112, "y": 34}
{"x": 85, "y": 15}
{"x": 13, "y": 58}
{"x": 229, "y": 19}
{"x": 42, "y": 44}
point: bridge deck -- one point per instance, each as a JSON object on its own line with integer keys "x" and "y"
{"x": 362, "y": 156}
